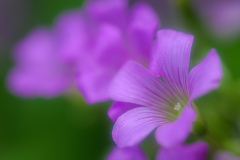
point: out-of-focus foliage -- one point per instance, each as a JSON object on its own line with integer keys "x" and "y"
{"x": 66, "y": 127}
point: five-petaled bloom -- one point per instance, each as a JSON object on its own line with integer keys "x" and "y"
{"x": 163, "y": 96}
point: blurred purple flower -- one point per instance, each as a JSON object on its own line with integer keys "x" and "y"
{"x": 224, "y": 155}
{"x": 46, "y": 60}
{"x": 195, "y": 151}
{"x": 93, "y": 43}
{"x": 165, "y": 103}
{"x": 38, "y": 70}
{"x": 223, "y": 16}
{"x": 71, "y": 36}
{"x": 129, "y": 153}
{"x": 119, "y": 34}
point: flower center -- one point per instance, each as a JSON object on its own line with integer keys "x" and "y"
{"x": 175, "y": 109}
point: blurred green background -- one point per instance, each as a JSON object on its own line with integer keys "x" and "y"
{"x": 62, "y": 128}
{"x": 66, "y": 127}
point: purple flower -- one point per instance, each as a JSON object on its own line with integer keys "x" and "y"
{"x": 225, "y": 155}
{"x": 195, "y": 151}
{"x": 91, "y": 44}
{"x": 222, "y": 16}
{"x": 119, "y": 34}
{"x": 164, "y": 95}
{"x": 38, "y": 70}
{"x": 129, "y": 153}
{"x": 46, "y": 60}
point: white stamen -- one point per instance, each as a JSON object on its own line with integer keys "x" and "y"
{"x": 177, "y": 107}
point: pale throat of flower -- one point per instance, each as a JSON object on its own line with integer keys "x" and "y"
{"x": 175, "y": 108}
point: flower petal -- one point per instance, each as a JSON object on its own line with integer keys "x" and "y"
{"x": 171, "y": 56}
{"x": 118, "y": 108}
{"x": 134, "y": 125}
{"x": 71, "y": 36}
{"x": 135, "y": 84}
{"x": 36, "y": 48}
{"x": 205, "y": 76}
{"x": 38, "y": 71}
{"x": 140, "y": 34}
{"x": 104, "y": 60}
{"x": 129, "y": 153}
{"x": 30, "y": 82}
{"x": 176, "y": 132}
{"x": 195, "y": 151}
{"x": 93, "y": 83}
{"x": 106, "y": 11}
